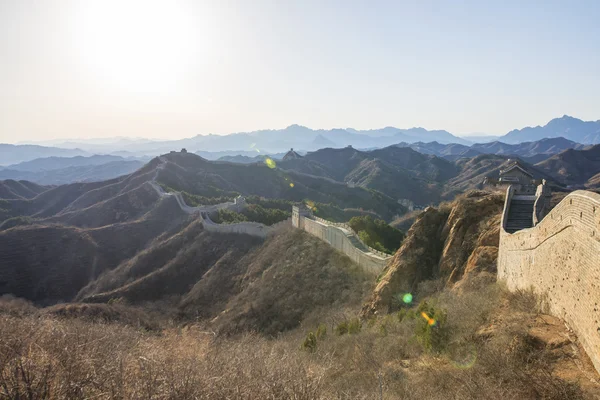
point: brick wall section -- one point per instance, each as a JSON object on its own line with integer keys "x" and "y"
{"x": 560, "y": 259}
{"x": 334, "y": 235}
{"x": 248, "y": 228}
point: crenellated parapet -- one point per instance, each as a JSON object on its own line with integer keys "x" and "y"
{"x": 341, "y": 237}
{"x": 559, "y": 258}
{"x": 247, "y": 228}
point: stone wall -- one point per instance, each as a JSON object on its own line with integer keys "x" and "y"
{"x": 248, "y": 228}
{"x": 560, "y": 259}
{"x": 238, "y": 205}
{"x": 341, "y": 238}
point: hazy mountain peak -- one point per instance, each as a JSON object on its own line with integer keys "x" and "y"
{"x": 295, "y": 126}
{"x": 571, "y": 128}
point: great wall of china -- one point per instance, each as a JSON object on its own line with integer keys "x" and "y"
{"x": 558, "y": 257}
{"x": 339, "y": 236}
{"x": 342, "y": 238}
{"x": 554, "y": 253}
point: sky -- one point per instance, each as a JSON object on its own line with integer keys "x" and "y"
{"x": 177, "y": 68}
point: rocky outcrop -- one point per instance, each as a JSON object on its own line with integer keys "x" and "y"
{"x": 473, "y": 223}
{"x": 450, "y": 242}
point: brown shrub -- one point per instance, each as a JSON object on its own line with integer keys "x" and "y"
{"x": 44, "y": 357}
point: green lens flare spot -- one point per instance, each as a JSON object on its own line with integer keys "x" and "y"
{"x": 407, "y": 298}
{"x": 270, "y": 163}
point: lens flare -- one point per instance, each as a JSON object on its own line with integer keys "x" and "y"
{"x": 291, "y": 185}
{"x": 311, "y": 205}
{"x": 429, "y": 320}
{"x": 463, "y": 356}
{"x": 270, "y": 163}
{"x": 407, "y": 298}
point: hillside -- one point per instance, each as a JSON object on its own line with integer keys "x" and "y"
{"x": 47, "y": 262}
{"x": 212, "y": 315}
{"x": 574, "y": 167}
{"x": 109, "y": 225}
{"x": 401, "y": 172}
{"x": 11, "y": 189}
{"x": 193, "y": 174}
{"x": 474, "y": 170}
{"x": 397, "y": 172}
{"x": 122, "y": 277}
{"x": 448, "y": 243}
{"x": 100, "y": 224}
{"x": 241, "y": 283}
{"x": 243, "y": 159}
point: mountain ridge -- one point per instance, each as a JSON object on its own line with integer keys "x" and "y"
{"x": 586, "y": 132}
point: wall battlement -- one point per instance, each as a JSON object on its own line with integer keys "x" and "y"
{"x": 341, "y": 237}
{"x": 239, "y": 204}
{"x": 560, "y": 259}
{"x": 248, "y": 228}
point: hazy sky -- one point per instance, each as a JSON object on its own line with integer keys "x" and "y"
{"x": 177, "y": 68}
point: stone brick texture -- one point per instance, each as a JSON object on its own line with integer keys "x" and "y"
{"x": 333, "y": 235}
{"x": 560, "y": 260}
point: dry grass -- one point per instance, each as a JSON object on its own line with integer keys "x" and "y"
{"x": 54, "y": 359}
{"x": 44, "y": 357}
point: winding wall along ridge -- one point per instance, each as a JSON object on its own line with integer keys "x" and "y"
{"x": 249, "y": 228}
{"x": 339, "y": 236}
{"x": 560, "y": 259}
{"x": 342, "y": 238}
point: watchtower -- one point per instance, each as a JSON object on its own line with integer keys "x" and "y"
{"x": 298, "y": 215}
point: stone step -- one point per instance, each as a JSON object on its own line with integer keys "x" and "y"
{"x": 520, "y": 215}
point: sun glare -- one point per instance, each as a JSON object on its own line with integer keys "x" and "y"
{"x": 137, "y": 45}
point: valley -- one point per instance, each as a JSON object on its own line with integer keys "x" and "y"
{"x": 299, "y": 200}
{"x": 143, "y": 250}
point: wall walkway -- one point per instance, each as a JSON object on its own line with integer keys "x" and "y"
{"x": 342, "y": 238}
{"x": 339, "y": 236}
{"x": 560, "y": 259}
{"x": 248, "y": 228}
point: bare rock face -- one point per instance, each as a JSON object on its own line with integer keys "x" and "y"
{"x": 451, "y": 242}
{"x": 414, "y": 262}
{"x": 473, "y": 222}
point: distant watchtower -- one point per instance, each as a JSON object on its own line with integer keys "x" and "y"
{"x": 291, "y": 155}
{"x": 515, "y": 175}
{"x": 298, "y": 215}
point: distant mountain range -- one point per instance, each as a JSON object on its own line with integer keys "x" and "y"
{"x": 82, "y": 173}
{"x": 587, "y": 132}
{"x": 106, "y": 224}
{"x": 51, "y": 163}
{"x": 13, "y": 154}
{"x": 404, "y": 173}
{"x": 532, "y": 152}
{"x": 61, "y": 170}
{"x": 303, "y": 138}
